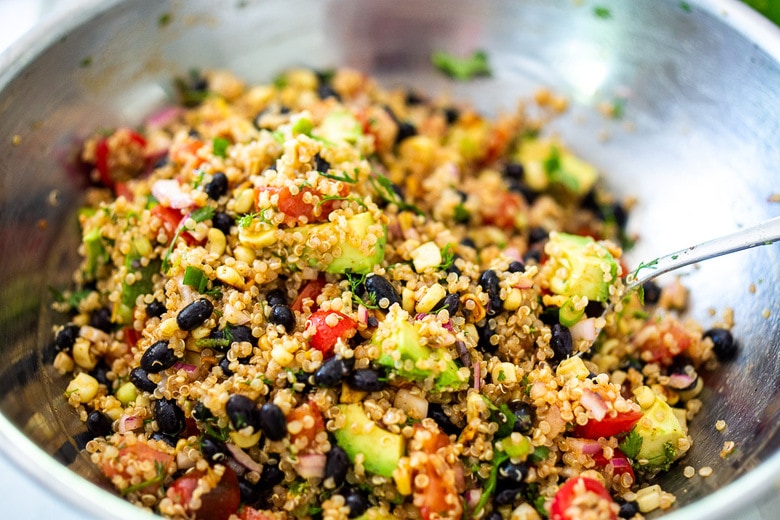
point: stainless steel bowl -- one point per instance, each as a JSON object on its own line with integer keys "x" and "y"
{"x": 698, "y": 146}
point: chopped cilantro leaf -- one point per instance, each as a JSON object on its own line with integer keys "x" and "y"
{"x": 602, "y": 12}
{"x": 195, "y": 278}
{"x": 219, "y": 146}
{"x": 490, "y": 485}
{"x": 631, "y": 444}
{"x": 202, "y": 214}
{"x": 447, "y": 258}
{"x": 462, "y": 68}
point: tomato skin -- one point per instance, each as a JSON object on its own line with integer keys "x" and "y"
{"x": 180, "y": 153}
{"x": 218, "y": 504}
{"x": 310, "y": 291}
{"x": 250, "y": 513}
{"x": 503, "y": 214}
{"x": 310, "y": 434}
{"x": 295, "y": 206}
{"x": 103, "y": 155}
{"x": 619, "y": 462}
{"x": 171, "y": 219}
{"x": 566, "y": 495}
{"x": 608, "y": 426}
{"x": 135, "y": 452}
{"x": 670, "y": 340}
{"x": 433, "y": 498}
{"x": 324, "y": 339}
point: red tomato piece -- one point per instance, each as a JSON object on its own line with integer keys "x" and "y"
{"x": 300, "y": 413}
{"x": 180, "y": 153}
{"x": 309, "y": 292}
{"x": 331, "y": 325}
{"x": 608, "y": 426}
{"x": 103, "y": 151}
{"x": 129, "y": 455}
{"x": 574, "y": 488}
{"x": 131, "y": 336}
{"x": 218, "y": 504}
{"x": 619, "y": 462}
{"x": 171, "y": 218}
{"x": 661, "y": 345}
{"x": 444, "y": 479}
{"x": 503, "y": 213}
{"x": 250, "y": 513}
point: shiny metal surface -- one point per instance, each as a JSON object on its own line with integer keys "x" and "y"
{"x": 698, "y": 146}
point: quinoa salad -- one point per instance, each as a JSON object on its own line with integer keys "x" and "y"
{"x": 323, "y": 298}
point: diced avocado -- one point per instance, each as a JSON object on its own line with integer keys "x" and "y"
{"x": 403, "y": 346}
{"x": 381, "y": 449}
{"x": 580, "y": 266}
{"x": 340, "y": 125}
{"x": 659, "y": 430}
{"x": 546, "y": 163}
{"x": 96, "y": 252}
{"x": 375, "y": 513}
{"x": 569, "y": 314}
{"x": 352, "y": 258}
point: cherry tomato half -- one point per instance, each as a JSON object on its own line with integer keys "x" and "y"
{"x": 619, "y": 462}
{"x": 574, "y": 488}
{"x": 218, "y": 504}
{"x": 331, "y": 325}
{"x": 608, "y": 426}
{"x": 310, "y": 291}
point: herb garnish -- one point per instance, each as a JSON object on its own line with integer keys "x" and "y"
{"x": 631, "y": 445}
{"x": 157, "y": 479}
{"x": 219, "y": 146}
{"x": 462, "y": 68}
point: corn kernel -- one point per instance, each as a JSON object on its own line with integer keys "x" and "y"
{"x": 168, "y": 327}
{"x": 83, "y": 355}
{"x": 215, "y": 241}
{"x": 513, "y": 300}
{"x": 245, "y": 201}
{"x": 63, "y": 363}
{"x": 407, "y": 300}
{"x": 84, "y": 387}
{"x": 402, "y": 475}
{"x": 244, "y": 254}
{"x": 243, "y": 440}
{"x": 645, "y": 397}
{"x": 649, "y": 498}
{"x": 573, "y": 367}
{"x": 427, "y": 256}
{"x": 281, "y": 355}
{"x": 432, "y": 296}
{"x": 230, "y": 276}
{"x": 126, "y": 393}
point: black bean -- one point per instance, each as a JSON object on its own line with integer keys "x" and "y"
{"x": 651, "y": 292}
{"x": 331, "y": 372}
{"x": 284, "y": 316}
{"x": 628, "y": 510}
{"x": 594, "y": 309}
{"x": 158, "y": 357}
{"x": 337, "y": 465}
{"x": 468, "y": 242}
{"x": 101, "y": 319}
{"x": 452, "y": 114}
{"x": 437, "y": 413}
{"x": 170, "y": 440}
{"x": 367, "y": 379}
{"x": 273, "y": 421}
{"x": 271, "y": 476}
{"x": 169, "y": 417}
{"x": 560, "y": 342}
{"x": 524, "y": 416}
{"x": 537, "y": 234}
{"x": 251, "y": 494}
{"x": 66, "y": 338}
{"x": 212, "y": 449}
{"x": 532, "y": 256}
{"x": 242, "y": 333}
{"x": 218, "y": 186}
{"x": 222, "y": 221}
{"x": 99, "y": 423}
{"x": 194, "y": 314}
{"x": 451, "y": 302}
{"x": 495, "y": 515}
{"x": 100, "y": 373}
{"x": 140, "y": 380}
{"x": 276, "y": 297}
{"x": 413, "y": 98}
{"x": 512, "y": 472}
{"x": 242, "y": 412}
{"x": 514, "y": 170}
{"x": 155, "y": 309}
{"x": 516, "y": 266}
{"x": 489, "y": 282}
{"x": 200, "y": 412}
{"x": 356, "y": 501}
{"x": 614, "y": 212}
{"x": 224, "y": 364}
{"x": 325, "y": 91}
{"x": 484, "y": 333}
{"x": 453, "y": 268}
{"x": 523, "y": 189}
{"x": 723, "y": 343}
{"x": 405, "y": 129}
{"x": 320, "y": 164}
{"x": 379, "y": 289}
{"x": 507, "y": 496}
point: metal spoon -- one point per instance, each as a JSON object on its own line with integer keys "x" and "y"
{"x": 764, "y": 233}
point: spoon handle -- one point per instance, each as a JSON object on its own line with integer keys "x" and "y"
{"x": 761, "y": 234}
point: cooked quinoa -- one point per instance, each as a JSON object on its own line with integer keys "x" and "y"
{"x": 321, "y": 298}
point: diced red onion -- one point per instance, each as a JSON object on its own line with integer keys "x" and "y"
{"x": 311, "y": 465}
{"x": 477, "y": 377}
{"x": 163, "y": 117}
{"x": 362, "y": 314}
{"x": 594, "y": 403}
{"x": 447, "y": 325}
{"x": 233, "y": 464}
{"x": 681, "y": 381}
{"x": 513, "y": 253}
{"x": 191, "y": 370}
{"x": 128, "y": 423}
{"x": 463, "y": 353}
{"x": 584, "y": 329}
{"x": 586, "y": 446}
{"x": 524, "y": 283}
{"x": 243, "y": 458}
{"x": 472, "y": 497}
{"x": 170, "y": 193}
{"x": 420, "y": 316}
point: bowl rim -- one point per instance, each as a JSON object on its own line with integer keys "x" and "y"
{"x": 84, "y": 496}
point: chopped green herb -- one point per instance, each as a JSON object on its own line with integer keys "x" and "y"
{"x": 631, "y": 444}
{"x": 164, "y": 20}
{"x": 685, "y": 6}
{"x": 502, "y": 416}
{"x": 602, "y": 12}
{"x": 196, "y": 278}
{"x": 490, "y": 485}
{"x": 539, "y": 454}
{"x": 344, "y": 177}
{"x": 353, "y": 198}
{"x": 447, "y": 258}
{"x": 219, "y": 146}
{"x": 501, "y": 376}
{"x": 244, "y": 221}
{"x": 462, "y": 68}
{"x": 202, "y": 214}
{"x": 192, "y": 90}
{"x": 669, "y": 455}
{"x": 157, "y": 479}
{"x": 462, "y": 215}
{"x": 85, "y": 62}
{"x": 303, "y": 126}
